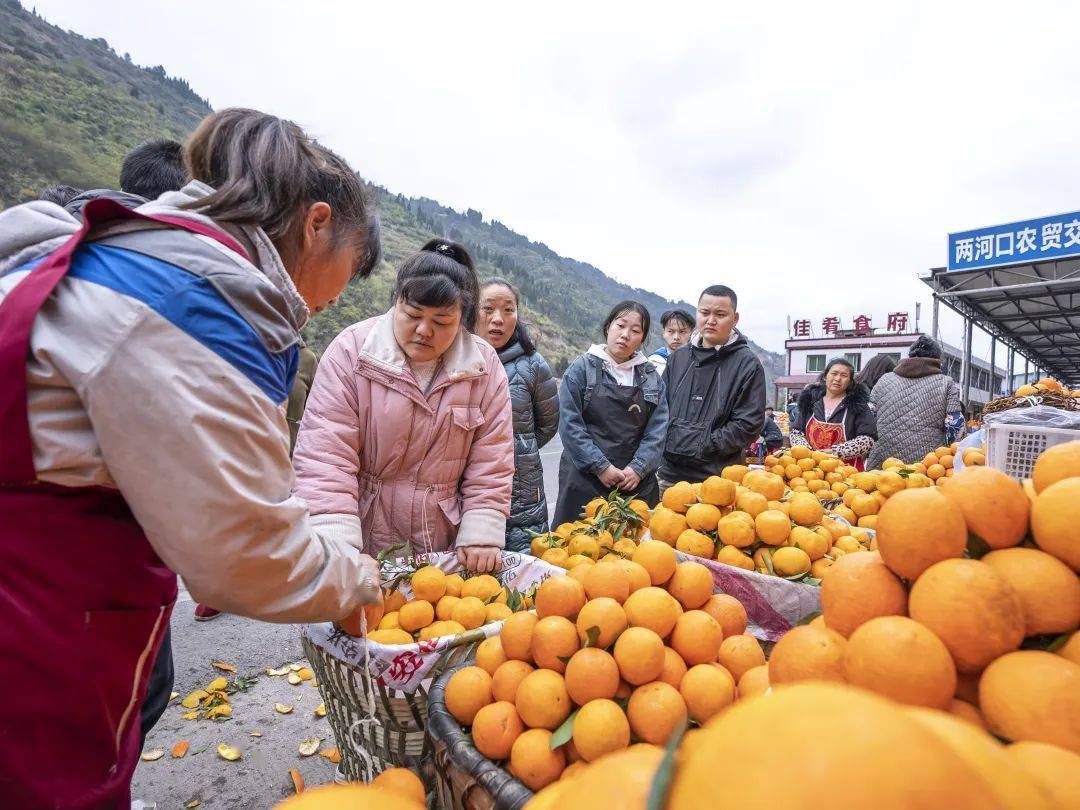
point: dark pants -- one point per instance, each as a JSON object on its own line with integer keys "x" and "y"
{"x": 159, "y": 687}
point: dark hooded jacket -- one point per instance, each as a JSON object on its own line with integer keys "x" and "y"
{"x": 716, "y": 408}
{"x": 534, "y": 398}
{"x": 854, "y": 410}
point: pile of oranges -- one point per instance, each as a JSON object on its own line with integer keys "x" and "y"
{"x": 948, "y": 657}
{"x": 777, "y": 523}
{"x": 441, "y": 605}
{"x": 609, "y": 527}
{"x": 1046, "y": 385}
{"x": 938, "y": 465}
{"x": 621, "y": 651}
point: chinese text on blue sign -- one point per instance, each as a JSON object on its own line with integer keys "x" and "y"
{"x": 1016, "y": 243}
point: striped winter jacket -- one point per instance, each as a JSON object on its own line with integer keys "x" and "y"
{"x": 160, "y": 367}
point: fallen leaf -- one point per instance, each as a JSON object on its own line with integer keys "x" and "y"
{"x": 229, "y": 752}
{"x": 191, "y": 716}
{"x": 174, "y": 695}
{"x": 331, "y": 754}
{"x": 217, "y": 685}
{"x": 295, "y": 667}
{"x": 256, "y": 734}
{"x": 315, "y": 683}
{"x": 194, "y": 698}
{"x": 276, "y": 672}
{"x": 294, "y": 679}
{"x": 192, "y": 803}
{"x": 224, "y": 710}
{"x": 297, "y": 780}
{"x": 180, "y": 749}
{"x": 281, "y": 708}
{"x": 309, "y": 746}
{"x": 320, "y": 710}
{"x": 152, "y": 756}
{"x": 305, "y": 674}
{"x": 223, "y": 667}
{"x": 219, "y": 697}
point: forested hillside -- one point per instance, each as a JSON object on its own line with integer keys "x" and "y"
{"x": 70, "y": 107}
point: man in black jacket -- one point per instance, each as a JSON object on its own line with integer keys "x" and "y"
{"x": 716, "y": 394}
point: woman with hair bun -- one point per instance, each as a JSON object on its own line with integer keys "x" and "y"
{"x": 407, "y": 434}
{"x": 145, "y": 358}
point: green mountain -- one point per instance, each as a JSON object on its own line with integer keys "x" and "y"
{"x": 71, "y": 107}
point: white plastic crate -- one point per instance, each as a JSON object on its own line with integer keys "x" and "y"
{"x": 1014, "y": 448}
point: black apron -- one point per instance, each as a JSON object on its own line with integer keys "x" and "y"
{"x": 616, "y": 417}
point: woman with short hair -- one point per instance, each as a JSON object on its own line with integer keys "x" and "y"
{"x": 613, "y": 417}
{"x": 834, "y": 415}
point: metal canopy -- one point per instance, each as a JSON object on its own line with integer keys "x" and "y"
{"x": 1032, "y": 308}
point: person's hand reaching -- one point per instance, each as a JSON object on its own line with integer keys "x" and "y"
{"x": 479, "y": 559}
{"x": 370, "y": 587}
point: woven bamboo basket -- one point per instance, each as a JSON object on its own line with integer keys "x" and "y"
{"x": 466, "y": 779}
{"x": 399, "y": 738}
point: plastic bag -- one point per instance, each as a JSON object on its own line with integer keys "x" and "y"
{"x": 1038, "y": 416}
{"x": 975, "y": 440}
{"x": 773, "y": 604}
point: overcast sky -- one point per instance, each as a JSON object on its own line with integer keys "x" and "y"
{"x": 813, "y": 159}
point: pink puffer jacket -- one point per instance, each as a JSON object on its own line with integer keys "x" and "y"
{"x": 380, "y": 463}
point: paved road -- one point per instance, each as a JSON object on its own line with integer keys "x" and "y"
{"x": 261, "y": 778}
{"x": 550, "y": 457}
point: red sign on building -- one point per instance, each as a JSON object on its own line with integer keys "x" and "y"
{"x": 862, "y": 325}
{"x": 831, "y": 325}
{"x": 898, "y": 321}
{"x": 801, "y": 329}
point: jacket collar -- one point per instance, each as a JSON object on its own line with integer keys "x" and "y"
{"x": 705, "y": 354}
{"x": 266, "y": 258}
{"x": 511, "y": 352}
{"x": 461, "y": 361}
{"x": 913, "y": 367}
{"x": 599, "y": 350}
{"x": 812, "y": 394}
{"x": 698, "y": 340}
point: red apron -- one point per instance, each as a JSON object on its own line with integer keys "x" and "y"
{"x": 823, "y": 435}
{"x": 84, "y": 600}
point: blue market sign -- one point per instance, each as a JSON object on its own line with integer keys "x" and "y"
{"x": 1033, "y": 240}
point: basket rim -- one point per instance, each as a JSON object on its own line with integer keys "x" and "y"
{"x": 442, "y": 726}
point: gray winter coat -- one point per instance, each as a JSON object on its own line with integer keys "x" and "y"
{"x": 535, "y": 401}
{"x": 912, "y": 404}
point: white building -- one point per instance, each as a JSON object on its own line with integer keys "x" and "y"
{"x": 808, "y": 356}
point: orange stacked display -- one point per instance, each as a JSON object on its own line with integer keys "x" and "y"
{"x": 948, "y": 658}
{"x": 622, "y": 650}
